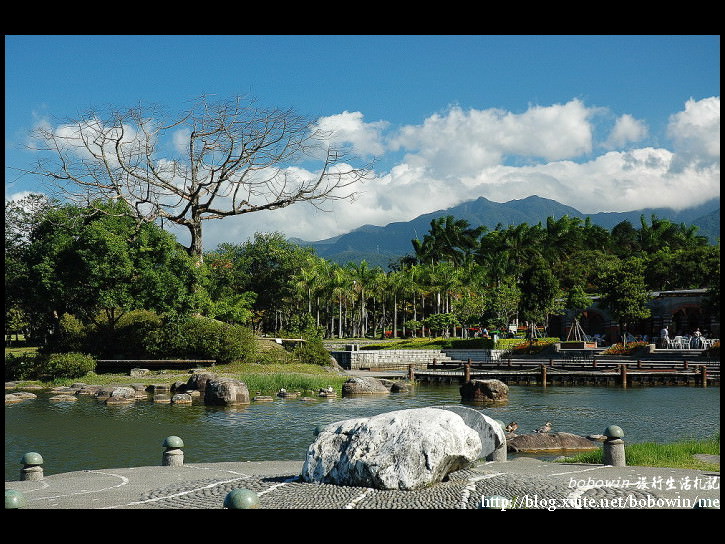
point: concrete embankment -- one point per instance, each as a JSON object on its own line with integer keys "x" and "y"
{"x": 530, "y": 483}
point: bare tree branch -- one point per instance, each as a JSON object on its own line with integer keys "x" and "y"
{"x": 216, "y": 160}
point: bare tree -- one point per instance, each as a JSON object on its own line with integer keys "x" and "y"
{"x": 213, "y": 161}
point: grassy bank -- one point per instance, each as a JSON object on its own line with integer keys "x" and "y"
{"x": 278, "y": 370}
{"x": 649, "y": 454}
{"x": 263, "y": 379}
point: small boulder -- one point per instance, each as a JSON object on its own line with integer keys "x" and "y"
{"x": 198, "y": 380}
{"x": 24, "y": 395}
{"x": 363, "y": 386}
{"x": 284, "y": 394}
{"x": 401, "y": 387}
{"x": 123, "y": 392}
{"x": 181, "y": 398}
{"x": 226, "y": 392}
{"x": 62, "y": 397}
{"x": 328, "y": 392}
{"x": 88, "y": 390}
{"x": 484, "y": 391}
{"x": 403, "y": 449}
{"x": 537, "y": 442}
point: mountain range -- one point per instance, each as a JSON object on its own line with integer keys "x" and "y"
{"x": 381, "y": 245}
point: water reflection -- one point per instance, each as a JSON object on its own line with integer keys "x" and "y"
{"x": 86, "y": 434}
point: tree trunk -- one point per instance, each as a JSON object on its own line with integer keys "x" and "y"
{"x": 195, "y": 245}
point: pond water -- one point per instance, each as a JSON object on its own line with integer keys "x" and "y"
{"x": 87, "y": 434}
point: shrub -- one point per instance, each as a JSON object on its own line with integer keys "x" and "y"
{"x": 25, "y": 366}
{"x": 72, "y": 335}
{"x": 67, "y": 365}
{"x": 312, "y": 352}
{"x": 37, "y": 366}
{"x": 133, "y": 330}
{"x": 201, "y": 338}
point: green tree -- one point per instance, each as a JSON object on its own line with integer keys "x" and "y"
{"x": 98, "y": 266}
{"x": 441, "y": 323}
{"x": 540, "y": 293}
{"x": 625, "y": 294}
{"x": 624, "y": 239}
{"x": 266, "y": 266}
{"x": 503, "y": 303}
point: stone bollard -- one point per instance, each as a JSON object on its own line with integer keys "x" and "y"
{"x": 613, "y": 450}
{"x": 14, "y": 500}
{"x": 543, "y": 375}
{"x": 173, "y": 455}
{"x": 703, "y": 375}
{"x": 32, "y": 467}
{"x": 467, "y": 372}
{"x": 411, "y": 373}
{"x": 241, "y": 499}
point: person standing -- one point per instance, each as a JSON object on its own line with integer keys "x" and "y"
{"x": 664, "y": 337}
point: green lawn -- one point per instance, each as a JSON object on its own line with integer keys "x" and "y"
{"x": 675, "y": 455}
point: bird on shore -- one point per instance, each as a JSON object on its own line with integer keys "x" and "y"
{"x": 511, "y": 427}
{"x": 544, "y": 428}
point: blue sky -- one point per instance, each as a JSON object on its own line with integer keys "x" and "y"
{"x": 601, "y": 123}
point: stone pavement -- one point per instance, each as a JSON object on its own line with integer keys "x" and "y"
{"x": 528, "y": 483}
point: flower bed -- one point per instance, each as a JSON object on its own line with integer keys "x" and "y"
{"x": 629, "y": 349}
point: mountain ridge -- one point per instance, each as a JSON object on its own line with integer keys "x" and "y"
{"x": 380, "y": 245}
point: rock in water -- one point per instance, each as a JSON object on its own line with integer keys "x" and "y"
{"x": 198, "y": 380}
{"x": 537, "y": 442}
{"x": 364, "y": 386}
{"x": 484, "y": 391}
{"x": 403, "y": 449}
{"x": 226, "y": 392}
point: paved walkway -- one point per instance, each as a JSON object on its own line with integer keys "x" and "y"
{"x": 529, "y": 483}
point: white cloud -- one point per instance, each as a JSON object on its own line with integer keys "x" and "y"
{"x": 349, "y": 128}
{"x": 459, "y": 143}
{"x": 695, "y": 133}
{"x": 17, "y": 196}
{"x": 459, "y": 155}
{"x": 180, "y": 140}
{"x": 615, "y": 181}
{"x": 627, "y": 129}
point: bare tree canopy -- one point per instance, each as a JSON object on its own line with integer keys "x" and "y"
{"x": 218, "y": 159}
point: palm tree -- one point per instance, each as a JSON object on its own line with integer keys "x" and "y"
{"x": 336, "y": 286}
{"x": 562, "y": 237}
{"x": 522, "y": 244}
{"x": 449, "y": 239}
{"x": 362, "y": 278}
{"x": 307, "y": 280}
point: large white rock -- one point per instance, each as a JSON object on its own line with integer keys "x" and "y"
{"x": 404, "y": 449}
{"x": 493, "y": 438}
